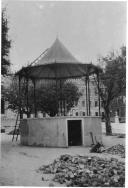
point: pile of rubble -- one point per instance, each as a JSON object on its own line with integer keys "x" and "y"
{"x": 116, "y": 150}
{"x": 84, "y": 171}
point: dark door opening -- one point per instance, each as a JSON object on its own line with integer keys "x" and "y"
{"x": 74, "y": 133}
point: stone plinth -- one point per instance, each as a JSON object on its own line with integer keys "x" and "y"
{"x": 54, "y": 132}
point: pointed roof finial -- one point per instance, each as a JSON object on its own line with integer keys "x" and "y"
{"x": 57, "y": 35}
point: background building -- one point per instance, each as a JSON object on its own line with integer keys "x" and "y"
{"x": 80, "y": 109}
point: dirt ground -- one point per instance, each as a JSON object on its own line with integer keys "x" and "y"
{"x": 19, "y": 164}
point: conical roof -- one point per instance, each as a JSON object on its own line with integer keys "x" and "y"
{"x": 57, "y": 53}
{"x": 57, "y": 63}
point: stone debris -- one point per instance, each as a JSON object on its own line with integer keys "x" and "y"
{"x": 84, "y": 171}
{"x": 97, "y": 148}
{"x": 116, "y": 150}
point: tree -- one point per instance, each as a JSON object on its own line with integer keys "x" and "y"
{"x": 6, "y": 45}
{"x": 50, "y": 99}
{"x": 47, "y": 97}
{"x": 112, "y": 82}
{"x": 11, "y": 94}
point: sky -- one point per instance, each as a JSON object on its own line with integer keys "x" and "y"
{"x": 87, "y": 29}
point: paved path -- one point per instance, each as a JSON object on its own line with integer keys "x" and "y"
{"x": 116, "y": 128}
{"x": 19, "y": 163}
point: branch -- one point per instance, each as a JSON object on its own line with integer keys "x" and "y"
{"x": 99, "y": 89}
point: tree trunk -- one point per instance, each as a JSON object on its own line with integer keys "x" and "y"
{"x": 28, "y": 115}
{"x": 108, "y": 122}
{"x": 21, "y": 115}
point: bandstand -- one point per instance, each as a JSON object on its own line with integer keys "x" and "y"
{"x": 57, "y": 64}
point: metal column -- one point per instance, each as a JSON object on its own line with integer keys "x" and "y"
{"x": 60, "y": 99}
{"x": 86, "y": 94}
{"x": 20, "y": 98}
{"x": 88, "y": 97}
{"x": 27, "y": 97}
{"x": 98, "y": 91}
{"x": 57, "y": 99}
{"x": 35, "y": 109}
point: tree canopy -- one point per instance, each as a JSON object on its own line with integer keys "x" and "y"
{"x": 112, "y": 82}
{"x": 6, "y": 45}
{"x": 47, "y": 97}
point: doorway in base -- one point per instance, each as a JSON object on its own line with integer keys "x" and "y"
{"x": 74, "y": 132}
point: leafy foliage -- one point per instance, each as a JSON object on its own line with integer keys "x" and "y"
{"x": 6, "y": 44}
{"x": 47, "y": 97}
{"x": 50, "y": 99}
{"x": 112, "y": 82}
